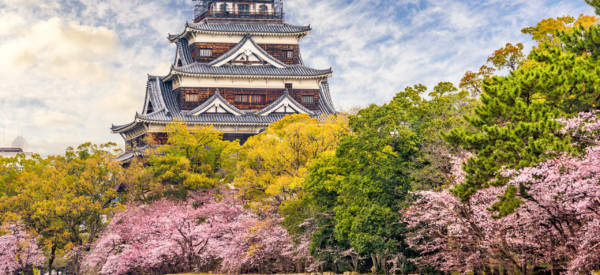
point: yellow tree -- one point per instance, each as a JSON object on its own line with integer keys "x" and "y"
{"x": 545, "y": 32}
{"x": 274, "y": 164}
{"x": 65, "y": 200}
{"x": 194, "y": 158}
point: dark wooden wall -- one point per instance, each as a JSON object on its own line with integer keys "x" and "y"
{"x": 159, "y": 138}
{"x": 276, "y": 50}
{"x": 229, "y": 94}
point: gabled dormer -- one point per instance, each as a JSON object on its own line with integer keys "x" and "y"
{"x": 215, "y": 105}
{"x": 285, "y": 105}
{"x": 247, "y": 52}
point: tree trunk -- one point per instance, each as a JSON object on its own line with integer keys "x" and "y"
{"x": 383, "y": 264}
{"x": 524, "y": 269}
{"x": 298, "y": 266}
{"x": 28, "y": 270}
{"x": 52, "y": 257}
{"x": 355, "y": 263}
{"x": 374, "y": 268}
{"x": 487, "y": 270}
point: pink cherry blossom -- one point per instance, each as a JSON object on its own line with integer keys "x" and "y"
{"x": 19, "y": 251}
{"x": 205, "y": 233}
{"x": 558, "y": 223}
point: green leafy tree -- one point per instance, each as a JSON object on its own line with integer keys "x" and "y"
{"x": 516, "y": 125}
{"x": 392, "y": 149}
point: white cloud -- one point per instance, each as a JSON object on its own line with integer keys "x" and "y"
{"x": 58, "y": 49}
{"x": 378, "y": 48}
{"x": 65, "y": 81}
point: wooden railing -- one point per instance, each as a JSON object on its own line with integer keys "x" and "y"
{"x": 239, "y": 14}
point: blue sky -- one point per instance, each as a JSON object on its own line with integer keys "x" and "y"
{"x": 71, "y": 68}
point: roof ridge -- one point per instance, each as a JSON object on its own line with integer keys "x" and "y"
{"x": 239, "y": 45}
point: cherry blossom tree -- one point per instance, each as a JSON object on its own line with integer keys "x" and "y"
{"x": 19, "y": 251}
{"x": 557, "y": 223}
{"x": 205, "y": 233}
{"x": 163, "y": 236}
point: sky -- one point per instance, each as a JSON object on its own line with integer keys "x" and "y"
{"x": 69, "y": 69}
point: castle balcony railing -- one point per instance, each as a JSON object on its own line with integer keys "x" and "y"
{"x": 239, "y": 15}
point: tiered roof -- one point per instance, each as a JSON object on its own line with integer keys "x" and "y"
{"x": 219, "y": 68}
{"x": 166, "y": 110}
{"x": 161, "y": 105}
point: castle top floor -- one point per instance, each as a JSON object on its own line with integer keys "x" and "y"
{"x": 239, "y": 10}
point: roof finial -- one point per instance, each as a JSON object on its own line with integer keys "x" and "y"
{"x": 217, "y": 92}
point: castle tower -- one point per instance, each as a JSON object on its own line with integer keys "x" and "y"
{"x": 237, "y": 67}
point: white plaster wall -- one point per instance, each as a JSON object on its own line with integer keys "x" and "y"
{"x": 190, "y": 82}
{"x": 227, "y": 38}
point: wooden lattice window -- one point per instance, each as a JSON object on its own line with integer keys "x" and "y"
{"x": 204, "y": 52}
{"x": 192, "y": 98}
{"x": 241, "y": 98}
{"x": 253, "y": 99}
{"x": 308, "y": 99}
{"x": 288, "y": 54}
{"x": 257, "y": 99}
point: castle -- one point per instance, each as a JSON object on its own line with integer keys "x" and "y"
{"x": 237, "y": 67}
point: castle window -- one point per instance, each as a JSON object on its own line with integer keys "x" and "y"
{"x": 243, "y": 8}
{"x": 205, "y": 52}
{"x": 263, "y": 9}
{"x": 253, "y": 99}
{"x": 223, "y": 8}
{"x": 241, "y": 98}
{"x": 287, "y": 54}
{"x": 308, "y": 99}
{"x": 289, "y": 86}
{"x": 192, "y": 98}
{"x": 257, "y": 99}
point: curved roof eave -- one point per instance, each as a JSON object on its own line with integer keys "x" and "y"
{"x": 207, "y": 123}
{"x": 174, "y": 72}
{"x": 304, "y": 30}
{"x": 117, "y": 129}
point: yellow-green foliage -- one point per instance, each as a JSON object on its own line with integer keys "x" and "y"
{"x": 194, "y": 158}
{"x": 64, "y": 200}
{"x": 272, "y": 166}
